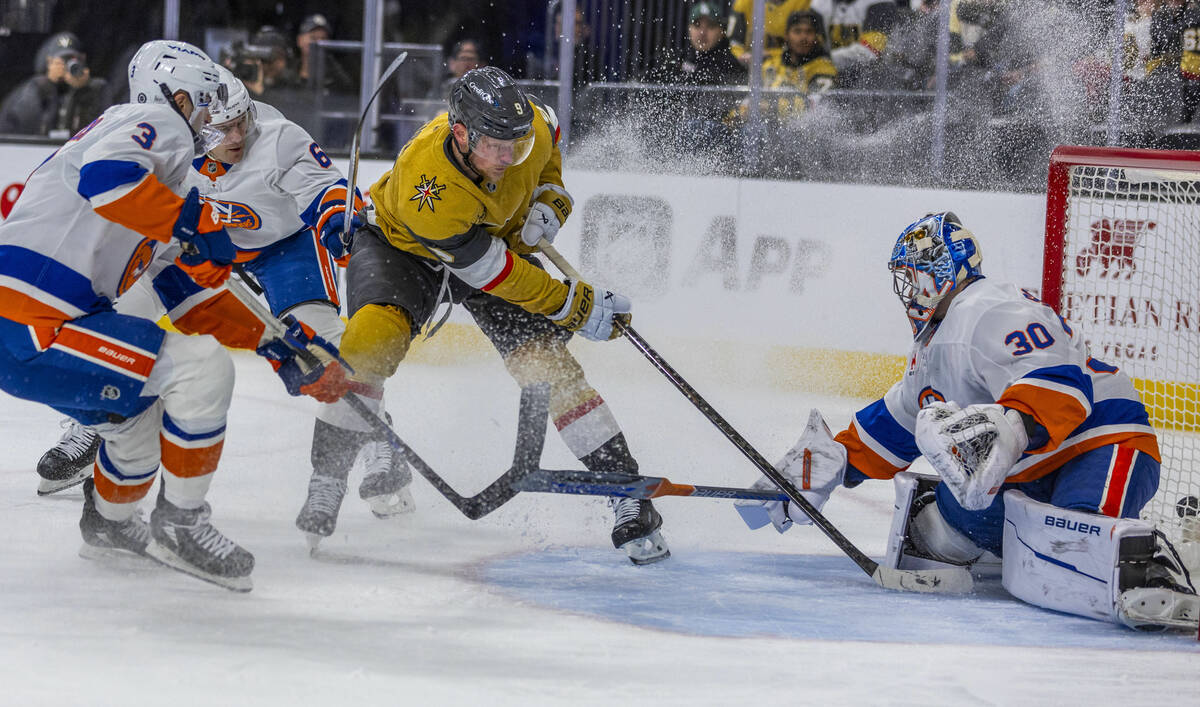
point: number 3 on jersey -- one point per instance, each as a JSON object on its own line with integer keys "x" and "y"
{"x": 147, "y": 136}
{"x": 1034, "y": 336}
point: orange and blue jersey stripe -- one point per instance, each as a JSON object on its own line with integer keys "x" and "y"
{"x": 877, "y": 445}
{"x": 40, "y": 291}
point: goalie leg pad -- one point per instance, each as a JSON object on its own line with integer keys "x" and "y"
{"x": 921, "y": 538}
{"x": 1067, "y": 560}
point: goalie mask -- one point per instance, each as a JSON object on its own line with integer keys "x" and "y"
{"x": 163, "y": 67}
{"x": 932, "y": 257}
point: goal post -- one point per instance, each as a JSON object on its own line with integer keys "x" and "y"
{"x": 1122, "y": 260}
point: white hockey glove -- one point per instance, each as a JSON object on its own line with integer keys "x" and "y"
{"x": 816, "y": 465}
{"x": 973, "y": 449}
{"x": 591, "y": 311}
{"x": 541, "y": 222}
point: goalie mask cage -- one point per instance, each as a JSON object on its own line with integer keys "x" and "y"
{"x": 1122, "y": 260}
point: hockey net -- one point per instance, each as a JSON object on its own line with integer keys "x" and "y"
{"x": 1122, "y": 260}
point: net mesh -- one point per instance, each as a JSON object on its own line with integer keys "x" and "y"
{"x": 1131, "y": 280}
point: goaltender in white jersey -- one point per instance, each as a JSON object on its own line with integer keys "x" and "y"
{"x": 1045, "y": 454}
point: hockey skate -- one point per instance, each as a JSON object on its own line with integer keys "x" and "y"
{"x": 110, "y": 539}
{"x": 636, "y": 531}
{"x": 69, "y": 461}
{"x": 318, "y": 517}
{"x": 184, "y": 540}
{"x": 386, "y": 479}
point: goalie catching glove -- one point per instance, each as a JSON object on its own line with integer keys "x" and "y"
{"x": 591, "y": 312}
{"x": 326, "y": 382}
{"x": 972, "y": 448}
{"x": 815, "y": 465}
{"x": 207, "y": 257}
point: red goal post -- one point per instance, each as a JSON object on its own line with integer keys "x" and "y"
{"x": 1122, "y": 261}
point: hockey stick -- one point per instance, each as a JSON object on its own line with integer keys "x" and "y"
{"x": 531, "y": 425}
{"x": 587, "y": 483}
{"x": 352, "y": 180}
{"x": 945, "y": 581}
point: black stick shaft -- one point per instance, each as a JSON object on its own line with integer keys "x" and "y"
{"x": 860, "y": 558}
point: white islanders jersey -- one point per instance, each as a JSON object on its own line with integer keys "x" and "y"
{"x": 284, "y": 184}
{"x": 95, "y": 215}
{"x": 999, "y": 344}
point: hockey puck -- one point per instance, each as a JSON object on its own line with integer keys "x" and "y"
{"x": 1187, "y": 506}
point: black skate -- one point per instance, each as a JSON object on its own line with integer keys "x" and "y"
{"x": 69, "y": 461}
{"x": 184, "y": 540}
{"x": 104, "y": 538}
{"x": 385, "y": 481}
{"x": 636, "y": 531}
{"x": 318, "y": 517}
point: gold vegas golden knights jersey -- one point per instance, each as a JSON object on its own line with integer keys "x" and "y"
{"x": 429, "y": 207}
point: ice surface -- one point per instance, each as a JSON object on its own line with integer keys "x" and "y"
{"x": 530, "y": 605}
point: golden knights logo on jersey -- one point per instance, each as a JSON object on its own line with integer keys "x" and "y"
{"x": 428, "y": 191}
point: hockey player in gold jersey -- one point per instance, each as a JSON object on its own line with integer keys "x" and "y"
{"x": 456, "y": 220}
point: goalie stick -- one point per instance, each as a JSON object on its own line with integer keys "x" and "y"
{"x": 955, "y": 580}
{"x": 352, "y": 177}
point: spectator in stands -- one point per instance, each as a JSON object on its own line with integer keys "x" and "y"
{"x": 708, "y": 59}
{"x": 803, "y": 64}
{"x": 276, "y": 69}
{"x": 316, "y": 28}
{"x": 61, "y": 98}
{"x": 858, "y": 33}
{"x": 586, "y": 65}
{"x": 741, "y": 25}
{"x": 1176, "y": 27}
{"x": 466, "y": 54}
{"x": 909, "y": 61}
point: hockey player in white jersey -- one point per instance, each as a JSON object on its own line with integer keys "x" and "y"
{"x": 280, "y": 198}
{"x": 1045, "y": 454}
{"x": 100, "y": 213}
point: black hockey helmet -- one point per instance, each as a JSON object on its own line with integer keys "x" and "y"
{"x": 488, "y": 102}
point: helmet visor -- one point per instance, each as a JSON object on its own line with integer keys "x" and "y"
{"x": 508, "y": 152}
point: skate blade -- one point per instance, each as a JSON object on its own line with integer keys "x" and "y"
{"x": 175, "y": 562}
{"x": 647, "y": 550}
{"x": 49, "y": 486}
{"x": 114, "y": 557}
{"x": 392, "y": 505}
{"x": 314, "y": 543}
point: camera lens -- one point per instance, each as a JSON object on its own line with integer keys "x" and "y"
{"x": 75, "y": 67}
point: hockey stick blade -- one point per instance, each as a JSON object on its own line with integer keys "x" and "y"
{"x": 955, "y": 580}
{"x": 587, "y": 483}
{"x": 352, "y": 178}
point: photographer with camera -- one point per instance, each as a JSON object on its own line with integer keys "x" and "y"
{"x": 61, "y": 99}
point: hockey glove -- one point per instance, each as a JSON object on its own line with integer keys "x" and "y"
{"x": 592, "y": 312}
{"x": 815, "y": 465}
{"x": 973, "y": 448}
{"x": 207, "y": 257}
{"x": 331, "y": 235}
{"x": 541, "y": 222}
{"x": 326, "y": 382}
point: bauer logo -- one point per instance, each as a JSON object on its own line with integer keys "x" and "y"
{"x": 1113, "y": 242}
{"x": 1074, "y": 525}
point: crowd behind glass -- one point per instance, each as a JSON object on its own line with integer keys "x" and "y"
{"x": 848, "y": 86}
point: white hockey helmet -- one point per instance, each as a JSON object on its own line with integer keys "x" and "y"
{"x": 237, "y": 105}
{"x": 163, "y": 67}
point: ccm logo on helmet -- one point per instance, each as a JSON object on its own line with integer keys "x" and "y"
{"x": 1085, "y": 528}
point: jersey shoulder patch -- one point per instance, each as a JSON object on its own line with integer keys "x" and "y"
{"x": 549, "y": 116}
